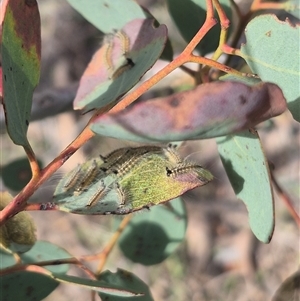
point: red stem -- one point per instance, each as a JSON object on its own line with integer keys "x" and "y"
{"x": 286, "y": 199}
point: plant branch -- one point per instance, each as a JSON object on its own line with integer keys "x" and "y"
{"x": 259, "y": 5}
{"x": 108, "y": 248}
{"x": 286, "y": 199}
{"x": 73, "y": 260}
{"x": 49, "y": 102}
{"x": 206, "y": 61}
{"x": 34, "y": 166}
{"x": 209, "y": 22}
{"x": 225, "y": 23}
{"x": 183, "y": 58}
{"x": 19, "y": 202}
{"x": 230, "y": 50}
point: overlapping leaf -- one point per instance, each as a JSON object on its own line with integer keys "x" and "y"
{"x": 293, "y": 7}
{"x": 272, "y": 51}
{"x": 127, "y": 180}
{"x": 25, "y": 285}
{"x": 21, "y": 54}
{"x": 32, "y": 286}
{"x": 109, "y": 15}
{"x": 17, "y": 174}
{"x": 36, "y": 285}
{"x": 152, "y": 236}
{"x": 235, "y": 148}
{"x": 209, "y": 110}
{"x": 44, "y": 250}
{"x": 38, "y": 282}
{"x": 120, "y": 63}
{"x": 7, "y": 259}
{"x": 248, "y": 172}
{"x": 111, "y": 288}
{"x": 126, "y": 280}
{"x": 189, "y": 16}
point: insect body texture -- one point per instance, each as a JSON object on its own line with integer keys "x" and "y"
{"x": 116, "y": 54}
{"x": 128, "y": 180}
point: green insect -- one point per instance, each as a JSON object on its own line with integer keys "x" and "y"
{"x": 127, "y": 180}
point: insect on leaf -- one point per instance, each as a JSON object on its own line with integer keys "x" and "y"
{"x": 125, "y": 56}
{"x": 127, "y": 180}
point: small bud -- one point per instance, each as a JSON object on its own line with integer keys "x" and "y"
{"x": 18, "y": 233}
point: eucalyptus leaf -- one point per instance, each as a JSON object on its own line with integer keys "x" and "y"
{"x": 207, "y": 111}
{"x": 7, "y": 259}
{"x": 108, "y": 16}
{"x": 21, "y": 55}
{"x": 293, "y": 7}
{"x": 152, "y": 236}
{"x": 189, "y": 16}
{"x": 44, "y": 251}
{"x": 119, "y": 64}
{"x": 272, "y": 51}
{"x": 111, "y": 288}
{"x": 127, "y": 180}
{"x": 126, "y": 280}
{"x": 17, "y": 174}
{"x": 23, "y": 285}
{"x": 247, "y": 169}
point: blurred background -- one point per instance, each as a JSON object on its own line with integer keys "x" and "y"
{"x": 220, "y": 258}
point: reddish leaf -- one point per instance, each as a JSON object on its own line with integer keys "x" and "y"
{"x": 119, "y": 64}
{"x": 21, "y": 55}
{"x": 210, "y": 110}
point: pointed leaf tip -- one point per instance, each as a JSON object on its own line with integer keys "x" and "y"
{"x": 21, "y": 55}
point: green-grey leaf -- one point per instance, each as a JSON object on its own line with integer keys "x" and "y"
{"x": 247, "y": 170}
{"x": 17, "y": 174}
{"x": 113, "y": 15}
{"x": 120, "y": 63}
{"x": 27, "y": 286}
{"x": 272, "y": 51}
{"x": 126, "y": 280}
{"x": 152, "y": 236}
{"x": 293, "y": 7}
{"x": 189, "y": 16}
{"x": 108, "y": 15}
{"x": 241, "y": 79}
{"x": 32, "y": 286}
{"x": 98, "y": 285}
{"x": 6, "y": 259}
{"x": 43, "y": 251}
{"x": 129, "y": 179}
{"x": 21, "y": 46}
